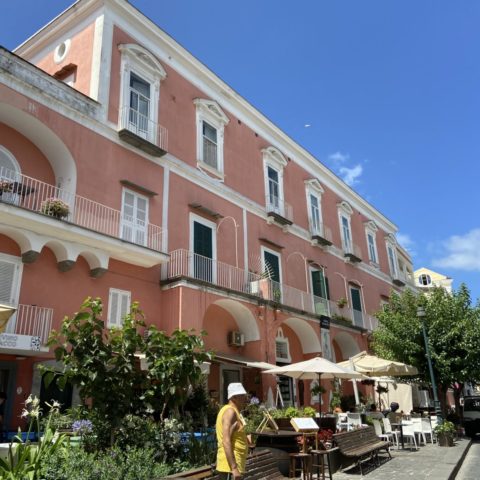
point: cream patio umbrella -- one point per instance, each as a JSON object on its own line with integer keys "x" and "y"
{"x": 374, "y": 366}
{"x": 315, "y": 369}
{"x": 5, "y": 313}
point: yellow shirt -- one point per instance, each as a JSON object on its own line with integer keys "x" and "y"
{"x": 239, "y": 442}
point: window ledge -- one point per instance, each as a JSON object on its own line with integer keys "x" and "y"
{"x": 213, "y": 171}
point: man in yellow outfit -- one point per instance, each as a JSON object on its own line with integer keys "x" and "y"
{"x": 231, "y": 437}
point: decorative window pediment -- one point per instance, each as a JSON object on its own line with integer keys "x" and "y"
{"x": 212, "y": 109}
{"x": 345, "y": 208}
{"x": 314, "y": 185}
{"x": 275, "y": 157}
{"x": 372, "y": 226}
{"x": 137, "y": 54}
{"x": 390, "y": 238}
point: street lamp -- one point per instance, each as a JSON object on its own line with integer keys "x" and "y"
{"x": 436, "y": 402}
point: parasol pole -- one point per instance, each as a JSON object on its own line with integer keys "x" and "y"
{"x": 319, "y": 394}
{"x": 355, "y": 388}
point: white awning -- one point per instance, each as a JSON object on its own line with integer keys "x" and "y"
{"x": 247, "y": 362}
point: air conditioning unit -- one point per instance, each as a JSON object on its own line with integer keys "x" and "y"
{"x": 236, "y": 339}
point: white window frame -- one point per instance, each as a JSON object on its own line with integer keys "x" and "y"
{"x": 273, "y": 158}
{"x": 142, "y": 63}
{"x": 315, "y": 189}
{"x": 345, "y": 211}
{"x": 273, "y": 252}
{"x": 17, "y": 278}
{"x": 210, "y": 112}
{"x": 131, "y": 225}
{"x": 391, "y": 246}
{"x": 119, "y": 320}
{"x": 371, "y": 230}
{"x": 10, "y": 175}
{"x": 213, "y": 226}
{"x": 281, "y": 338}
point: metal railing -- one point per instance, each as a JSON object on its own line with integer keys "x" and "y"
{"x": 277, "y": 205}
{"x": 31, "y": 320}
{"x": 321, "y": 230}
{"x": 184, "y": 263}
{"x": 142, "y": 126}
{"x": 37, "y": 196}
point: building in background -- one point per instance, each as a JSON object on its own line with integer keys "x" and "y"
{"x": 426, "y": 279}
{"x": 130, "y": 171}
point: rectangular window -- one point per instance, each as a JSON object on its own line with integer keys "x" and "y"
{"x": 282, "y": 351}
{"x": 356, "y": 306}
{"x": 9, "y": 286}
{"x": 347, "y": 241}
{"x": 320, "y": 293}
{"x": 210, "y": 145}
{"x": 139, "y": 114}
{"x": 134, "y": 220}
{"x": 273, "y": 189}
{"x": 371, "y": 248}
{"x": 392, "y": 261}
{"x": 118, "y": 307}
{"x": 315, "y": 215}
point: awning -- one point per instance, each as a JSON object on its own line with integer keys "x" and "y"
{"x": 247, "y": 362}
{"x": 6, "y": 312}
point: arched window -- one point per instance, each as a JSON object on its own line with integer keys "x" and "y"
{"x": 9, "y": 167}
{"x": 424, "y": 279}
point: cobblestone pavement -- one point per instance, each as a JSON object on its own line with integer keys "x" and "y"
{"x": 429, "y": 462}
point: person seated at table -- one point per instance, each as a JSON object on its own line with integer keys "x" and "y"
{"x": 374, "y": 413}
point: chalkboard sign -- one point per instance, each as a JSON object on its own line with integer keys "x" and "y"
{"x": 304, "y": 424}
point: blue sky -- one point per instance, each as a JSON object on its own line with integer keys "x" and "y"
{"x": 386, "y": 94}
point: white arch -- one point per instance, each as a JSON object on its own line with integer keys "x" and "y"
{"x": 307, "y": 335}
{"x": 26, "y": 240}
{"x": 243, "y": 316}
{"x": 347, "y": 344}
{"x": 47, "y": 142}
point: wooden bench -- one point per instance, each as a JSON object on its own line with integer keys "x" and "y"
{"x": 360, "y": 445}
{"x": 260, "y": 465}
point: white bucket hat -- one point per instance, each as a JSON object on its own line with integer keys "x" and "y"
{"x": 235, "y": 389}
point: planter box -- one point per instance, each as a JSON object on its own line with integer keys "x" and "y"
{"x": 445, "y": 440}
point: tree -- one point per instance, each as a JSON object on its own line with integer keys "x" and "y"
{"x": 453, "y": 329}
{"x": 104, "y": 363}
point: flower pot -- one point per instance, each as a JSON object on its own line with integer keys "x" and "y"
{"x": 445, "y": 439}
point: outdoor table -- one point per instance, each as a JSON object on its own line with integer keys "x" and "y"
{"x": 399, "y": 426}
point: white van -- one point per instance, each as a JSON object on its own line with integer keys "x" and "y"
{"x": 471, "y": 415}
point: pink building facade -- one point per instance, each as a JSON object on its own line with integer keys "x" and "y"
{"x": 179, "y": 195}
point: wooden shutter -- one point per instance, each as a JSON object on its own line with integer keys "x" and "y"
{"x": 8, "y": 275}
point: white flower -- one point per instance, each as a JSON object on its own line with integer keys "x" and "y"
{"x": 25, "y": 413}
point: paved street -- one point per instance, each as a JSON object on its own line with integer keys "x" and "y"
{"x": 470, "y": 468}
{"x": 429, "y": 462}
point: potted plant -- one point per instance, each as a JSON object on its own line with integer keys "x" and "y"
{"x": 54, "y": 207}
{"x": 342, "y": 302}
{"x": 5, "y": 186}
{"x": 445, "y": 433}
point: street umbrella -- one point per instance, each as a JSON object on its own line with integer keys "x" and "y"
{"x": 5, "y": 313}
{"x": 313, "y": 369}
{"x": 374, "y": 366}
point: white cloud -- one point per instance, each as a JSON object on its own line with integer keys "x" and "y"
{"x": 350, "y": 175}
{"x": 406, "y": 242}
{"x": 339, "y": 157}
{"x": 462, "y": 252}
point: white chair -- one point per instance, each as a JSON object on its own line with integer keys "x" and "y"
{"x": 387, "y": 427}
{"x": 342, "y": 421}
{"x": 379, "y": 433}
{"x": 417, "y": 428}
{"x": 427, "y": 429}
{"x": 354, "y": 420}
{"x": 409, "y": 432}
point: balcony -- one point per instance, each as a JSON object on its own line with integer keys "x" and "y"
{"x": 58, "y": 213}
{"x": 399, "y": 279}
{"x": 141, "y": 132}
{"x": 321, "y": 234}
{"x": 27, "y": 330}
{"x": 278, "y": 210}
{"x": 190, "y": 265}
{"x": 352, "y": 252}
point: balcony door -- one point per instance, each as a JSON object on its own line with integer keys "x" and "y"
{"x": 10, "y": 270}
{"x": 320, "y": 292}
{"x": 203, "y": 248}
{"x": 134, "y": 222}
{"x": 271, "y": 267}
{"x": 139, "y": 114}
{"x": 356, "y": 306}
